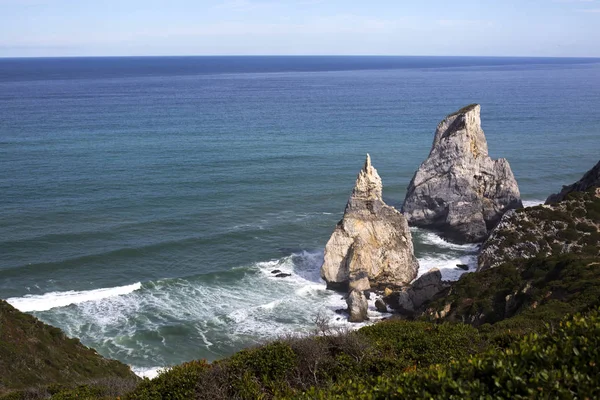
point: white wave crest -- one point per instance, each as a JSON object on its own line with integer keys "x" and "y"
{"x": 435, "y": 240}
{"x": 149, "y": 373}
{"x": 532, "y": 203}
{"x": 51, "y": 300}
{"x": 448, "y": 265}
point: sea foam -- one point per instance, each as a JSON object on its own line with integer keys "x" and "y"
{"x": 47, "y": 301}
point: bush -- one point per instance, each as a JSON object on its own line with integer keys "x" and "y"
{"x": 559, "y": 364}
{"x": 176, "y": 383}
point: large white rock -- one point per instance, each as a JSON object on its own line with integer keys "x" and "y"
{"x": 372, "y": 244}
{"x": 459, "y": 190}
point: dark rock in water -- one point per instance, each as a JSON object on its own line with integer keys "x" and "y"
{"x": 357, "y": 306}
{"x": 459, "y": 190}
{"x": 367, "y": 294}
{"x": 589, "y": 180}
{"x": 341, "y": 311}
{"x": 282, "y": 275}
{"x": 372, "y": 244}
{"x": 338, "y": 318}
{"x": 463, "y": 266}
{"x": 409, "y": 300}
{"x": 380, "y": 306}
{"x": 276, "y": 271}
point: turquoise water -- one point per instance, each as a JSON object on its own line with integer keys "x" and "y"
{"x": 146, "y": 200}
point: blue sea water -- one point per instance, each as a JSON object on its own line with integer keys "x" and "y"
{"x": 145, "y": 201}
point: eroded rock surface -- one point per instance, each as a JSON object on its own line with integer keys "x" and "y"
{"x": 459, "y": 190}
{"x": 372, "y": 245}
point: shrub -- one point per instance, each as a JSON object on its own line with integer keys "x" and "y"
{"x": 558, "y": 364}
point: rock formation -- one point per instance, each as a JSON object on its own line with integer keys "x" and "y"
{"x": 459, "y": 190}
{"x": 410, "y": 299}
{"x": 590, "y": 179}
{"x": 357, "y": 306}
{"x": 571, "y": 225}
{"x": 371, "y": 246}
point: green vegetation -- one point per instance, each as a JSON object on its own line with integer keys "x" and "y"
{"x": 531, "y": 291}
{"x": 571, "y": 226}
{"x": 559, "y": 364}
{"x": 292, "y": 365}
{"x": 32, "y": 353}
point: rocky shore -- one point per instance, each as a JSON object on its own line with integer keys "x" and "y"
{"x": 460, "y": 192}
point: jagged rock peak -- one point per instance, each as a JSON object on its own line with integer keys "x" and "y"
{"x": 590, "y": 179}
{"x": 459, "y": 190}
{"x": 372, "y": 244}
{"x": 368, "y": 187}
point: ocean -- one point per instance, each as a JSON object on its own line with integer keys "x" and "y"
{"x": 145, "y": 201}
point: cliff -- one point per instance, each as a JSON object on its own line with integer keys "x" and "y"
{"x": 459, "y": 190}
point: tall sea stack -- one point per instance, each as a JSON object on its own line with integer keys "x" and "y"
{"x": 371, "y": 245}
{"x": 459, "y": 190}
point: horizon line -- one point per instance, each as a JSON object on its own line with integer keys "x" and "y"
{"x": 295, "y": 55}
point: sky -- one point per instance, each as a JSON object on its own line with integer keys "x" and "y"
{"x": 40, "y": 28}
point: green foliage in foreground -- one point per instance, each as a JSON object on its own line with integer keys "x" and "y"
{"x": 290, "y": 366}
{"x": 560, "y": 364}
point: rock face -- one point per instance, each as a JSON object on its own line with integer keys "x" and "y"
{"x": 357, "y": 306}
{"x": 371, "y": 246}
{"x": 459, "y": 190}
{"x": 410, "y": 299}
{"x": 590, "y": 179}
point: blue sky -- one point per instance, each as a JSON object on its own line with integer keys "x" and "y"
{"x": 296, "y": 27}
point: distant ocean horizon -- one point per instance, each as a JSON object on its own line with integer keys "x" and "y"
{"x": 146, "y": 200}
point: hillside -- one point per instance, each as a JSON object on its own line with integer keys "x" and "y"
{"x": 34, "y": 355}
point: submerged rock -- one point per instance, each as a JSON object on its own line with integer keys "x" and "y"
{"x": 282, "y": 275}
{"x": 357, "y": 306}
{"x": 590, "y": 179}
{"x": 371, "y": 245}
{"x": 459, "y": 190}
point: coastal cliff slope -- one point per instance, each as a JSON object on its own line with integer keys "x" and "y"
{"x": 459, "y": 190}
{"x": 34, "y": 355}
{"x": 589, "y": 179}
{"x": 568, "y": 225}
{"x": 372, "y": 244}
